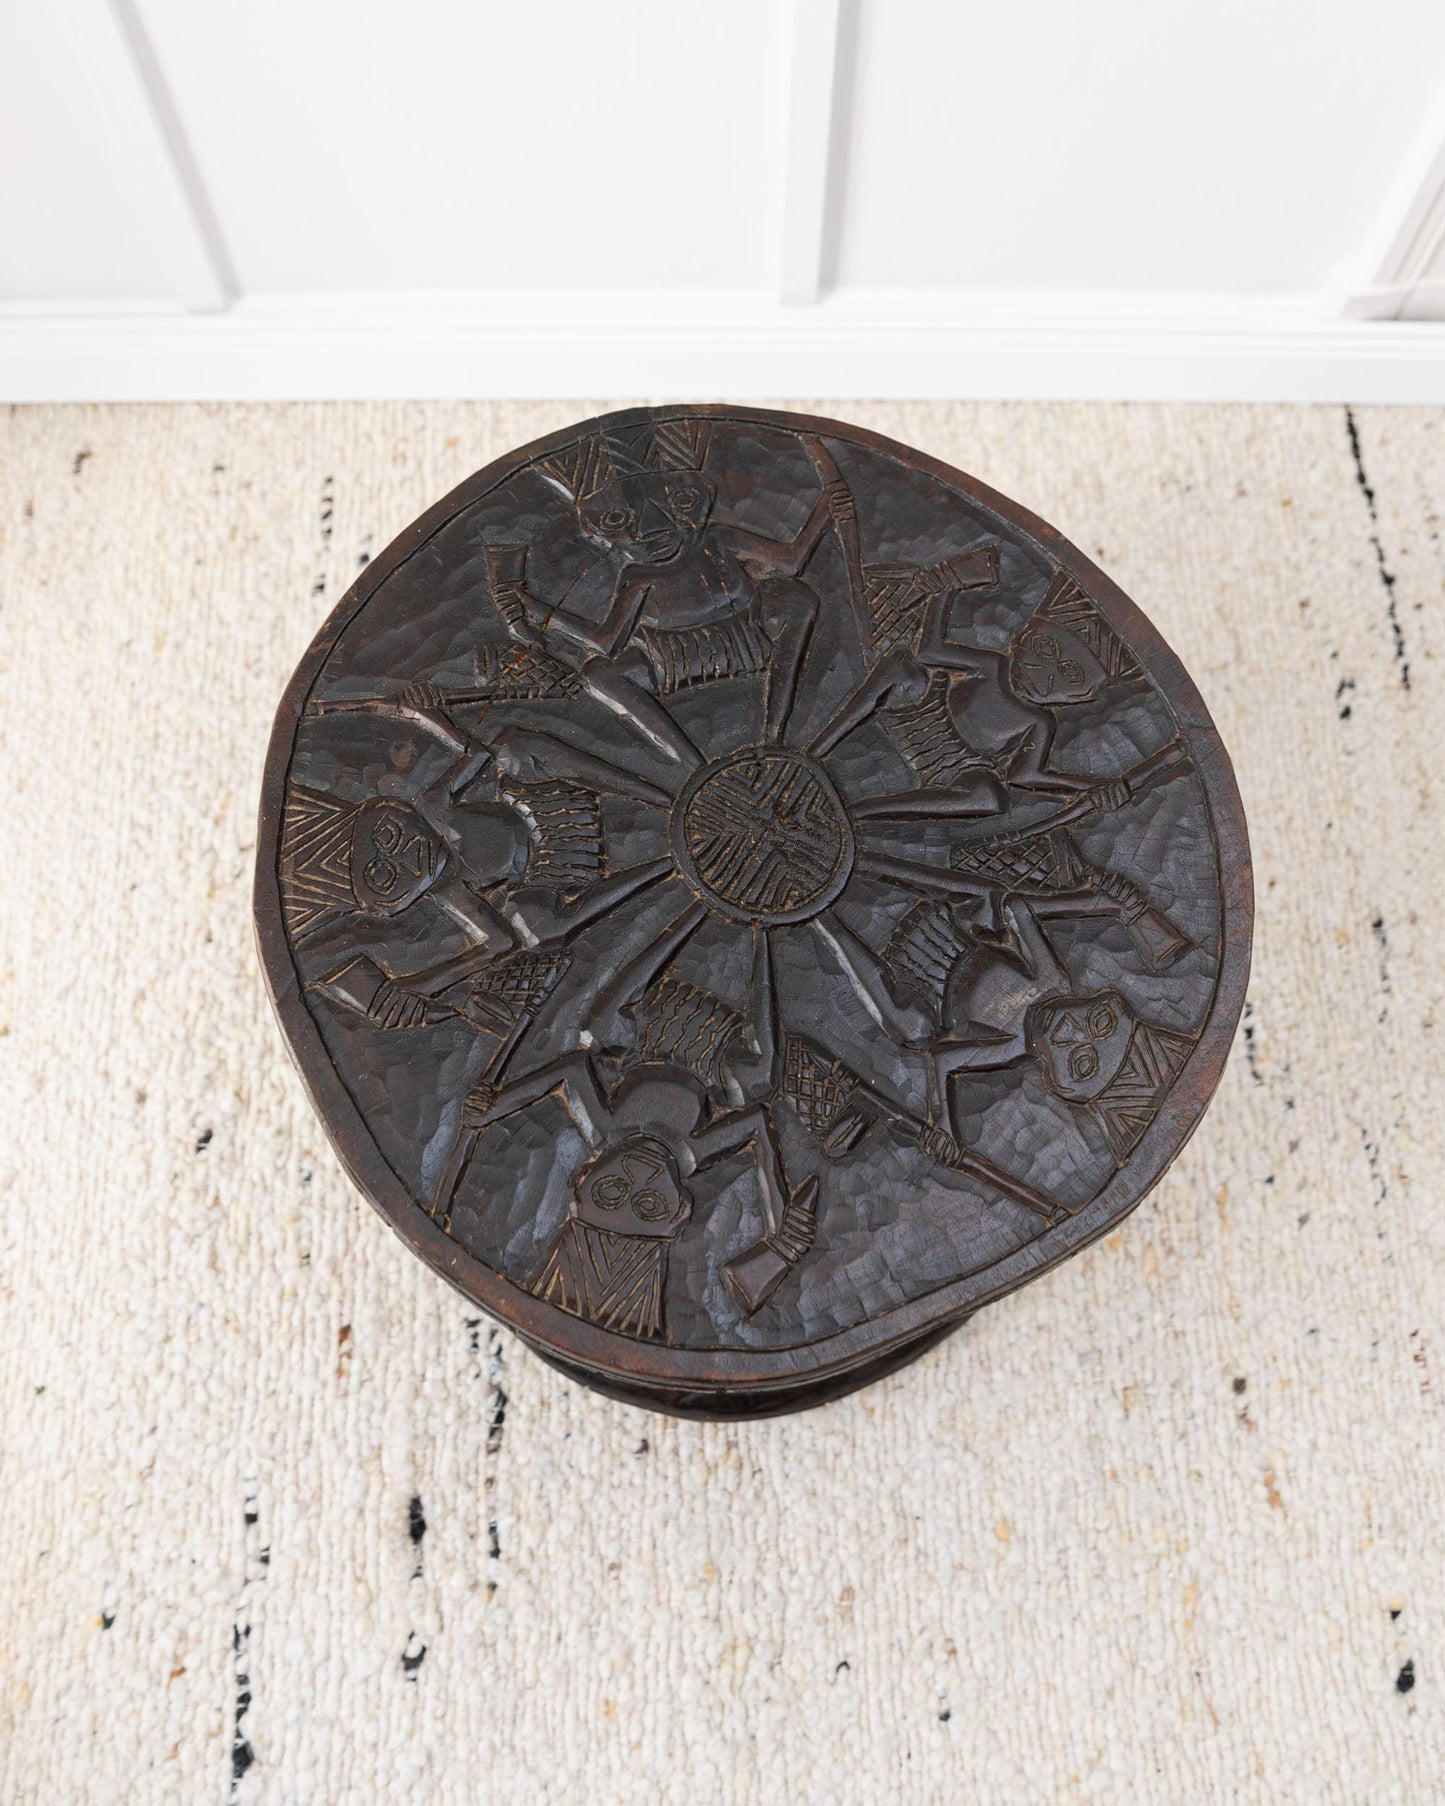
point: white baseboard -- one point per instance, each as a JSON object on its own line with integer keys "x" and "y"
{"x": 724, "y": 345}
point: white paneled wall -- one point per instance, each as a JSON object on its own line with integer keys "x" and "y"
{"x": 464, "y": 144}
{"x": 584, "y": 196}
{"x": 1239, "y": 145}
{"x": 70, "y": 223}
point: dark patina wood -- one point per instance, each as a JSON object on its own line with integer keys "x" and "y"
{"x": 741, "y": 895}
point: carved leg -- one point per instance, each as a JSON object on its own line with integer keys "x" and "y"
{"x": 532, "y": 756}
{"x": 753, "y": 1074}
{"x": 980, "y": 794}
{"x": 754, "y": 1276}
{"x": 893, "y": 680}
{"x": 507, "y": 580}
{"x": 978, "y": 1052}
{"x": 539, "y": 916}
{"x": 369, "y": 990}
{"x": 602, "y": 1018}
{"x": 929, "y": 880}
{"x": 791, "y": 1212}
{"x": 1112, "y": 894}
{"x": 868, "y": 975}
{"x": 789, "y": 609}
{"x": 619, "y": 684}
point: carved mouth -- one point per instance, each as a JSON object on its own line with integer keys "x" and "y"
{"x": 659, "y": 548}
{"x": 763, "y": 836}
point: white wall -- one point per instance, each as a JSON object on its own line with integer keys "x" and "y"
{"x": 458, "y": 144}
{"x": 69, "y": 224}
{"x": 1184, "y": 145}
{"x": 414, "y": 195}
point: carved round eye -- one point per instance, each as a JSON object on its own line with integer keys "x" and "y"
{"x": 386, "y": 835}
{"x": 649, "y": 1206}
{"x": 1043, "y": 645}
{"x": 1083, "y": 1062}
{"x": 1072, "y": 673}
{"x": 608, "y": 1193}
{"x": 381, "y": 875}
{"x": 613, "y": 521}
{"x": 1103, "y": 1020}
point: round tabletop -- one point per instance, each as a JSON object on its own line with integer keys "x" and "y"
{"x": 741, "y": 895}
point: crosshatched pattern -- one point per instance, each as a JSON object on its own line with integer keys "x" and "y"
{"x": 764, "y": 836}
{"x": 742, "y": 895}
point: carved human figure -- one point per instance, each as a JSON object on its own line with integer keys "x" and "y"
{"x": 375, "y": 860}
{"x": 1016, "y": 1000}
{"x": 691, "y": 598}
{"x": 974, "y": 1000}
{"x": 689, "y": 1094}
{"x": 954, "y": 709}
{"x": 523, "y": 866}
{"x": 1002, "y": 703}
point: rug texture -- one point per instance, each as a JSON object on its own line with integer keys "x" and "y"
{"x": 285, "y": 1520}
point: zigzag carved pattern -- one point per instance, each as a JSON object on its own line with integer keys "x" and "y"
{"x": 315, "y": 865}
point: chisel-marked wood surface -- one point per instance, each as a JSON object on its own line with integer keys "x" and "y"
{"x": 741, "y": 895}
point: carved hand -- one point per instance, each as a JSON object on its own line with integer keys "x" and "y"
{"x": 394, "y": 1007}
{"x": 841, "y": 505}
{"x": 477, "y": 1105}
{"x": 794, "y": 1235}
{"x": 1112, "y": 794}
{"x": 422, "y": 696}
{"x": 1130, "y": 900}
{"x": 754, "y": 1276}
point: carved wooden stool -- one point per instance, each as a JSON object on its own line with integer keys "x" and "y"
{"x": 741, "y": 895}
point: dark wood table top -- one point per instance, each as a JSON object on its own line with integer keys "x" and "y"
{"x": 741, "y": 895}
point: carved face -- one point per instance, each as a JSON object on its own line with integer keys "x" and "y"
{"x": 1051, "y": 665}
{"x": 1080, "y": 1042}
{"x": 633, "y": 1188}
{"x": 395, "y": 857}
{"x": 653, "y": 515}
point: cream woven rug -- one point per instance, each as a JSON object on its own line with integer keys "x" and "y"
{"x": 284, "y": 1520}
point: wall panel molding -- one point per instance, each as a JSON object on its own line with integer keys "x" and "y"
{"x": 812, "y": 83}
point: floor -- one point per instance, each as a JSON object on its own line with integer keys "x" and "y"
{"x": 285, "y": 1520}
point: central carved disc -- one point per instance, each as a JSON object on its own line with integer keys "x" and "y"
{"x": 763, "y": 836}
